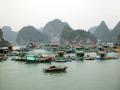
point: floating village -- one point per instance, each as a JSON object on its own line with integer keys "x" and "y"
{"x": 54, "y": 52}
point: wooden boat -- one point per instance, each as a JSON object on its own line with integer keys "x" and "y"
{"x": 36, "y": 59}
{"x": 14, "y": 53}
{"x": 89, "y": 58}
{"x": 60, "y": 57}
{"x": 79, "y": 51}
{"x": 104, "y": 56}
{"x": 117, "y": 49}
{"x": 18, "y": 58}
{"x": 45, "y": 59}
{"x": 3, "y": 57}
{"x": 101, "y": 54}
{"x": 55, "y": 69}
{"x": 80, "y": 55}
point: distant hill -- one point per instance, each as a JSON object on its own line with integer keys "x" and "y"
{"x": 66, "y": 35}
{"x": 101, "y": 32}
{"x": 76, "y": 36}
{"x": 58, "y": 31}
{"x": 115, "y": 33}
{"x": 104, "y": 34}
{"x": 92, "y": 29}
{"x": 31, "y": 34}
{"x": 118, "y": 38}
{"x": 8, "y": 34}
{"x": 3, "y": 43}
{"x": 41, "y": 29}
{"x": 53, "y": 29}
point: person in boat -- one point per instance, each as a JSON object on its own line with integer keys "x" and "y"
{"x": 53, "y": 66}
{"x": 56, "y": 55}
{"x": 41, "y": 56}
{"x": 88, "y": 56}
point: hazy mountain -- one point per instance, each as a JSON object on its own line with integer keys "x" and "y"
{"x": 58, "y": 31}
{"x": 30, "y": 34}
{"x": 3, "y": 43}
{"x": 41, "y": 29}
{"x": 105, "y": 35}
{"x": 76, "y": 36}
{"x": 66, "y": 35}
{"x": 115, "y": 32}
{"x": 118, "y": 38}
{"x": 53, "y": 29}
{"x": 92, "y": 29}
{"x": 102, "y": 33}
{"x": 8, "y": 34}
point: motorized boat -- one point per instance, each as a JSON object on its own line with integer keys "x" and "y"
{"x": 3, "y": 57}
{"x": 60, "y": 57}
{"x": 55, "y": 69}
{"x": 46, "y": 59}
{"x": 90, "y": 56}
{"x": 79, "y": 52}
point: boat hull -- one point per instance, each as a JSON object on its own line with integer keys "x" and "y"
{"x": 55, "y": 69}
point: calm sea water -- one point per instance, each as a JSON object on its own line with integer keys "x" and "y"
{"x": 81, "y": 75}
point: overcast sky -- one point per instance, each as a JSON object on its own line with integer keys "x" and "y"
{"x": 81, "y": 14}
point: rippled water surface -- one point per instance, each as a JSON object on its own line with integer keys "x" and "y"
{"x": 81, "y": 75}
